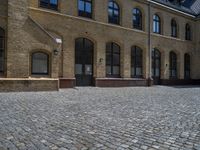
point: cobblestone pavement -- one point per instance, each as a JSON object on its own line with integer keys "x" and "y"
{"x": 102, "y": 118}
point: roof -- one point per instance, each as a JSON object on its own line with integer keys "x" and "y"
{"x": 196, "y": 7}
{"x": 187, "y": 6}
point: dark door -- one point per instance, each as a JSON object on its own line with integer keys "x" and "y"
{"x": 156, "y": 65}
{"x": 84, "y": 62}
{"x": 2, "y": 50}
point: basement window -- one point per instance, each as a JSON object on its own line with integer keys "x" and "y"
{"x": 49, "y": 4}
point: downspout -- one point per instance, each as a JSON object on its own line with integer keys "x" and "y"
{"x": 149, "y": 44}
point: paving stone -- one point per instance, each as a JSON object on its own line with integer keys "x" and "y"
{"x": 159, "y": 117}
{"x": 197, "y": 147}
{"x": 144, "y": 147}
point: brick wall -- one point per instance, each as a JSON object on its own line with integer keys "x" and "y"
{"x": 24, "y": 37}
{"x": 7, "y": 85}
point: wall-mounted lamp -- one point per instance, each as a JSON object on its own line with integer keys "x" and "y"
{"x": 55, "y": 51}
{"x": 101, "y": 60}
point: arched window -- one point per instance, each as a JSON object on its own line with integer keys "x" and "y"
{"x": 136, "y": 62}
{"x": 137, "y": 19}
{"x": 156, "y": 24}
{"x": 112, "y": 60}
{"x": 2, "y": 49}
{"x": 187, "y": 32}
{"x": 187, "y": 66}
{"x": 49, "y": 4}
{"x": 113, "y": 12}
{"x": 174, "y": 29}
{"x": 85, "y": 8}
{"x": 156, "y": 63}
{"x": 40, "y": 63}
{"x": 173, "y": 65}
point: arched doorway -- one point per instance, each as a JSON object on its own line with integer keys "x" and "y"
{"x": 156, "y": 66}
{"x": 84, "y": 62}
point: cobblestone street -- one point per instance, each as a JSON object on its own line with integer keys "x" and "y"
{"x": 102, "y": 118}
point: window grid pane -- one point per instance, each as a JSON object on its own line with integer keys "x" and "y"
{"x": 49, "y": 4}
{"x": 156, "y": 57}
{"x": 40, "y": 63}
{"x": 187, "y": 66}
{"x": 112, "y": 60}
{"x": 156, "y": 24}
{"x": 187, "y": 32}
{"x": 113, "y": 12}
{"x": 173, "y": 28}
{"x": 136, "y": 62}
{"x": 85, "y": 8}
{"x": 137, "y": 19}
{"x": 173, "y": 65}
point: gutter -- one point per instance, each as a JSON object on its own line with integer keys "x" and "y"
{"x": 162, "y": 5}
{"x": 149, "y": 45}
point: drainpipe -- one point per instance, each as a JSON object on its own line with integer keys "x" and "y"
{"x": 149, "y": 44}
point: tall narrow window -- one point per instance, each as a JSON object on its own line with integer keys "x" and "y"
{"x": 156, "y": 63}
{"x": 112, "y": 60}
{"x": 173, "y": 28}
{"x": 40, "y": 63}
{"x": 173, "y": 65}
{"x": 49, "y": 4}
{"x": 137, "y": 19}
{"x": 156, "y": 24}
{"x": 187, "y": 66}
{"x": 2, "y": 49}
{"x": 85, "y": 8}
{"x": 136, "y": 62}
{"x": 113, "y": 12}
{"x": 187, "y": 32}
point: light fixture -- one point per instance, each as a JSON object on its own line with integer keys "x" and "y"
{"x": 101, "y": 60}
{"x": 55, "y": 51}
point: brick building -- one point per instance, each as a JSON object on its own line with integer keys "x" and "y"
{"x": 47, "y": 44}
